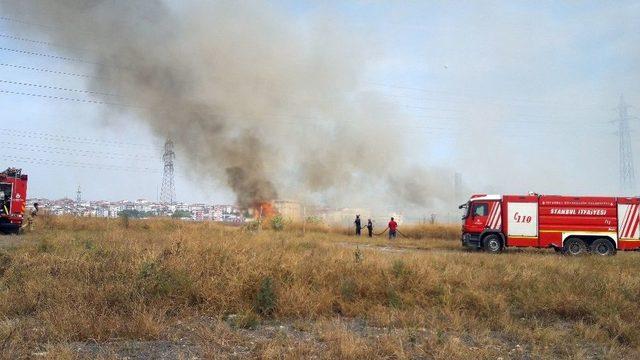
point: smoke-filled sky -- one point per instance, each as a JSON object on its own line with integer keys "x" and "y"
{"x": 358, "y": 104}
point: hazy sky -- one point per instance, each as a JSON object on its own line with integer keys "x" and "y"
{"x": 515, "y": 96}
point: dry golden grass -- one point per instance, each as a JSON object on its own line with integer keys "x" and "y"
{"x": 107, "y": 287}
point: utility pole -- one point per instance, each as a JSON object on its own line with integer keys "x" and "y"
{"x": 78, "y": 195}
{"x": 627, "y": 172}
{"x": 457, "y": 187}
{"x": 168, "y": 190}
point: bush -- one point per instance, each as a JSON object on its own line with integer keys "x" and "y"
{"x": 278, "y": 223}
{"x": 393, "y": 299}
{"x": 124, "y": 220}
{"x": 348, "y": 290}
{"x": 251, "y": 226}
{"x": 265, "y": 302}
{"x": 157, "y": 281}
{"x": 245, "y": 320}
{"x": 399, "y": 269}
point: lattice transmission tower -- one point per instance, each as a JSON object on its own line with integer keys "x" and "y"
{"x": 627, "y": 172}
{"x": 168, "y": 190}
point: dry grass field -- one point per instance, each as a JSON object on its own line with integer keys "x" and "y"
{"x": 89, "y": 288}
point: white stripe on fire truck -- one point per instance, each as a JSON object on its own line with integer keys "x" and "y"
{"x": 630, "y": 221}
{"x": 493, "y": 223}
{"x": 624, "y": 221}
{"x": 495, "y": 217}
{"x": 494, "y": 209}
{"x": 491, "y": 215}
{"x": 490, "y": 219}
{"x": 499, "y": 220}
{"x": 633, "y": 223}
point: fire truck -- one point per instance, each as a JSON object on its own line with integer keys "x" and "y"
{"x": 573, "y": 225}
{"x": 13, "y": 196}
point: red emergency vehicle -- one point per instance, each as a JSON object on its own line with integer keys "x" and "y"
{"x": 13, "y": 199}
{"x": 571, "y": 224}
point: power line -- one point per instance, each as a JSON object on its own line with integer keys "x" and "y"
{"x": 79, "y": 164}
{"x": 13, "y": 20}
{"x": 53, "y": 97}
{"x": 39, "y": 42}
{"x": 65, "y": 138}
{"x": 71, "y": 151}
{"x": 48, "y": 71}
{"x": 460, "y": 97}
{"x": 55, "y": 88}
{"x": 33, "y": 53}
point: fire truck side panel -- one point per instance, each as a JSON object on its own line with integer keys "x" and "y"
{"x": 564, "y": 216}
{"x": 521, "y": 220}
{"x": 629, "y": 223}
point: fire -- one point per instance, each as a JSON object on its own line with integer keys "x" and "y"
{"x": 264, "y": 210}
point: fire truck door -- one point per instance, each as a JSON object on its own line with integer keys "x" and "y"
{"x": 479, "y": 216}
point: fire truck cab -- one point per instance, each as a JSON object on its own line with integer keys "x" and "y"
{"x": 571, "y": 224}
{"x": 13, "y": 199}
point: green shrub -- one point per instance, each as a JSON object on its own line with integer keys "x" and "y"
{"x": 245, "y": 320}
{"x": 278, "y": 223}
{"x": 399, "y": 269}
{"x": 358, "y": 255}
{"x": 158, "y": 281}
{"x": 348, "y": 289}
{"x": 124, "y": 220}
{"x": 266, "y": 299}
{"x": 393, "y": 299}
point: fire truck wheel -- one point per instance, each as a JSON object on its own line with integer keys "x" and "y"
{"x": 492, "y": 244}
{"x": 574, "y": 247}
{"x": 603, "y": 247}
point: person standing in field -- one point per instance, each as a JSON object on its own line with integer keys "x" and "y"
{"x": 29, "y": 217}
{"x": 358, "y": 225}
{"x": 393, "y": 228}
{"x": 370, "y": 227}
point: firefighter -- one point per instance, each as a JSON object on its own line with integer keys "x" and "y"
{"x": 3, "y": 204}
{"x": 393, "y": 228}
{"x": 29, "y": 217}
{"x": 358, "y": 225}
{"x": 370, "y": 227}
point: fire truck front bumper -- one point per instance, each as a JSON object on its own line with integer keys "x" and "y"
{"x": 471, "y": 240}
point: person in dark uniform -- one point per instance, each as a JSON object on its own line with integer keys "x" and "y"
{"x": 358, "y": 225}
{"x": 370, "y": 227}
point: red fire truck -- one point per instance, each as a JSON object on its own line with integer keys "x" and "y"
{"x": 570, "y": 224}
{"x": 13, "y": 196}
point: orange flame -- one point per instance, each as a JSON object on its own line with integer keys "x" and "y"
{"x": 264, "y": 210}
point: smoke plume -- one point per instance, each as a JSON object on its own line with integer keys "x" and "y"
{"x": 270, "y": 107}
